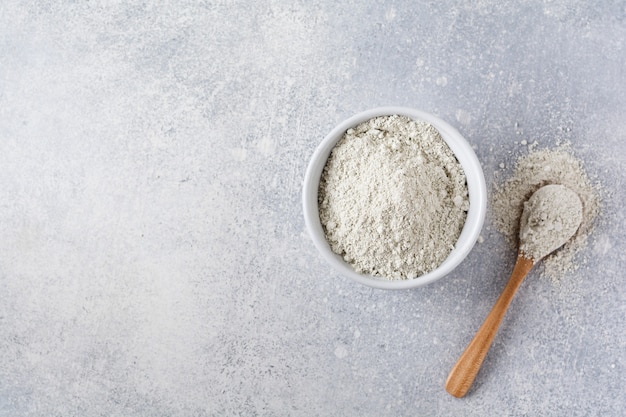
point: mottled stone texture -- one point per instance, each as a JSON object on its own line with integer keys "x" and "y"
{"x": 153, "y": 255}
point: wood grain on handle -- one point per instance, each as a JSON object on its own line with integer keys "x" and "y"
{"x": 463, "y": 373}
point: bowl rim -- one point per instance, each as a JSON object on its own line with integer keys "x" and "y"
{"x": 477, "y": 191}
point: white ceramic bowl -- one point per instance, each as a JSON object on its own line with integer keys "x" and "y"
{"x": 475, "y": 184}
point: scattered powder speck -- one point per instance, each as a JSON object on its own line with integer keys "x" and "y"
{"x": 531, "y": 172}
{"x": 341, "y": 351}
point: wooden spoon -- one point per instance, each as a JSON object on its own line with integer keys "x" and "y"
{"x": 543, "y": 210}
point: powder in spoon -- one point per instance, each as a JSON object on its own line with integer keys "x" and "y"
{"x": 531, "y": 172}
{"x": 550, "y": 218}
{"x": 393, "y": 198}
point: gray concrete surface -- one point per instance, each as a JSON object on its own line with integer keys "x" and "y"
{"x": 153, "y": 256}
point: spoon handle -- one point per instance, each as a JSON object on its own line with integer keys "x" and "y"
{"x": 464, "y": 371}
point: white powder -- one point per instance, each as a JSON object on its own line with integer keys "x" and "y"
{"x": 550, "y": 218}
{"x": 393, "y": 198}
{"x": 533, "y": 171}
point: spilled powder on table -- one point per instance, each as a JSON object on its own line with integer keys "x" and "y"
{"x": 531, "y": 172}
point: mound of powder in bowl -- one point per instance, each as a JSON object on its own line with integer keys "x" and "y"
{"x": 531, "y": 172}
{"x": 393, "y": 198}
